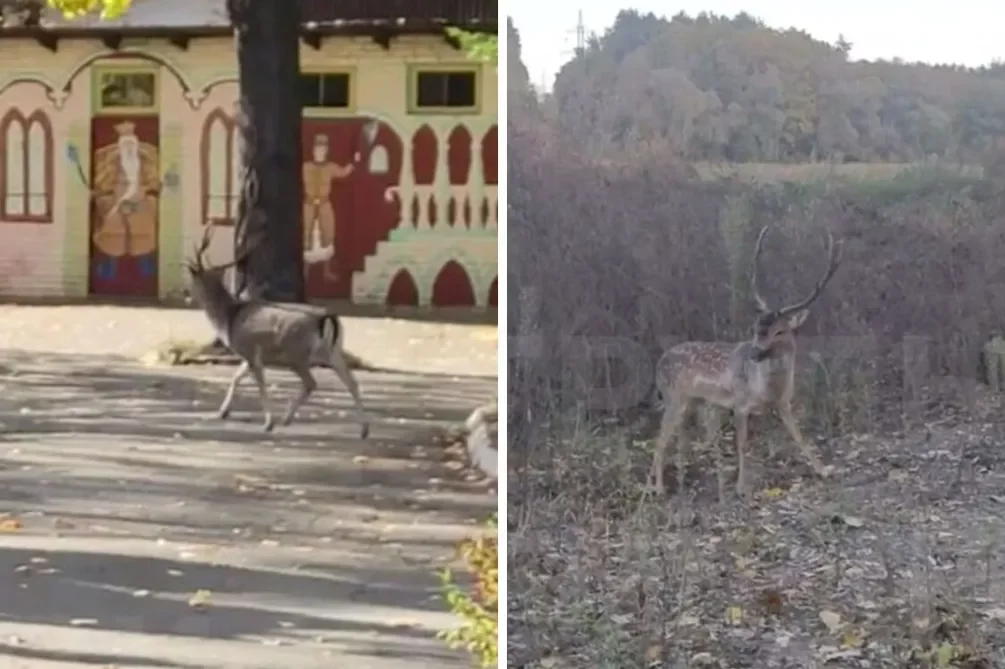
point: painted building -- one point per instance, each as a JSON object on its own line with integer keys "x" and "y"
{"x": 118, "y": 144}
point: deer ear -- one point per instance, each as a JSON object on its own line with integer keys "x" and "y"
{"x": 798, "y": 318}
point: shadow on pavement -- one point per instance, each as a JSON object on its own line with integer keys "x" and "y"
{"x": 308, "y": 536}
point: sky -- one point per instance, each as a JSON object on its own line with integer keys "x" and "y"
{"x": 968, "y": 32}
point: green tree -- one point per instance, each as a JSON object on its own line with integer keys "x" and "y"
{"x": 483, "y": 47}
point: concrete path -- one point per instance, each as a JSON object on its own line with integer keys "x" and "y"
{"x": 143, "y": 532}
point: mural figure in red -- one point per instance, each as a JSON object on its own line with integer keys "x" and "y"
{"x": 319, "y": 211}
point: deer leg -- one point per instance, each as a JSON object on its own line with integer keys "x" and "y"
{"x": 740, "y": 421}
{"x": 673, "y": 418}
{"x": 307, "y": 386}
{"x": 258, "y": 372}
{"x": 341, "y": 368}
{"x": 808, "y": 452}
{"x": 228, "y": 399}
{"x": 713, "y": 423}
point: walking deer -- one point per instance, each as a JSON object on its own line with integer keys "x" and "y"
{"x": 286, "y": 334}
{"x": 745, "y": 378}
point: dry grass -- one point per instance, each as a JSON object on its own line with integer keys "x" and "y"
{"x": 803, "y": 172}
{"x": 894, "y": 562}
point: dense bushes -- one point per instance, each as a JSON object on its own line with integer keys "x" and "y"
{"x": 640, "y": 255}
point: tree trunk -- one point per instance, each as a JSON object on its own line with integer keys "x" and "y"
{"x": 268, "y": 226}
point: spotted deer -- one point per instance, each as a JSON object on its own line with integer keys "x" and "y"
{"x": 745, "y": 378}
{"x": 287, "y": 334}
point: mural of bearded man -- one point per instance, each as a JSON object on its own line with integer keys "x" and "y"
{"x": 126, "y": 188}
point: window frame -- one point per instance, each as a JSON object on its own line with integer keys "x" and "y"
{"x": 233, "y": 180}
{"x": 15, "y": 115}
{"x": 315, "y": 111}
{"x": 100, "y": 72}
{"x": 416, "y": 69}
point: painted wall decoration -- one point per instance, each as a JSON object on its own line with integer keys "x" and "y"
{"x": 125, "y": 185}
{"x": 111, "y": 164}
{"x": 442, "y": 249}
{"x": 26, "y": 178}
{"x": 319, "y": 175}
{"x": 346, "y": 213}
{"x": 220, "y": 168}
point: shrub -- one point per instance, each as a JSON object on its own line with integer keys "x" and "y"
{"x": 479, "y": 608}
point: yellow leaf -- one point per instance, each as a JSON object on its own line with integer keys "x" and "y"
{"x": 945, "y": 654}
{"x": 200, "y": 599}
{"x": 734, "y": 615}
{"x": 774, "y": 493}
{"x": 654, "y": 653}
{"x": 852, "y": 639}
{"x": 9, "y": 524}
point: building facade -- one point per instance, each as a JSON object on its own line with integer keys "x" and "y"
{"x": 118, "y": 144}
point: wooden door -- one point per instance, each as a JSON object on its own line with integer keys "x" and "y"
{"x": 125, "y": 185}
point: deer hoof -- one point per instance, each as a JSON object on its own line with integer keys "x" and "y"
{"x": 268, "y": 425}
{"x": 364, "y": 432}
{"x": 223, "y": 415}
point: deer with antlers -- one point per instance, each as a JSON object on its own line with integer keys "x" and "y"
{"x": 745, "y": 378}
{"x": 287, "y": 334}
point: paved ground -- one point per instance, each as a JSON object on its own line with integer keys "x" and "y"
{"x": 313, "y": 549}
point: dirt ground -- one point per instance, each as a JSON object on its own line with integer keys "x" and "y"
{"x": 895, "y": 561}
{"x": 138, "y": 530}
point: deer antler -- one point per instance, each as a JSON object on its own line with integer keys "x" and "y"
{"x": 834, "y": 253}
{"x": 196, "y": 263}
{"x": 762, "y": 304}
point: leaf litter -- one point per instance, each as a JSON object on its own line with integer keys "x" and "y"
{"x": 895, "y": 561}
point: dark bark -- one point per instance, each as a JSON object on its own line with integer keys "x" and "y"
{"x": 268, "y": 226}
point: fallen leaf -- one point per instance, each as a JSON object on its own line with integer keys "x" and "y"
{"x": 200, "y": 599}
{"x": 850, "y": 521}
{"x": 774, "y": 493}
{"x": 852, "y": 639}
{"x": 734, "y": 615}
{"x": 702, "y": 659}
{"x": 944, "y": 654}
{"x": 997, "y": 614}
{"x": 772, "y": 601}
{"x": 842, "y": 654}
{"x": 10, "y": 524}
{"x": 654, "y": 653}
{"x": 832, "y": 621}
{"x": 83, "y": 622}
{"x": 622, "y": 619}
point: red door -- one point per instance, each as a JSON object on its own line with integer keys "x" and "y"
{"x": 125, "y": 186}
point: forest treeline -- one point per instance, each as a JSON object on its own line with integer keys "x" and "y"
{"x": 713, "y": 88}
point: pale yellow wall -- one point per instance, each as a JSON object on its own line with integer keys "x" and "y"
{"x": 52, "y": 259}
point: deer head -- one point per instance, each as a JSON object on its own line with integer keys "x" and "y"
{"x": 774, "y": 326}
{"x": 207, "y": 281}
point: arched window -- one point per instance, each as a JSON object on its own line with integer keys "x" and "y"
{"x": 220, "y": 158}
{"x": 26, "y": 168}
